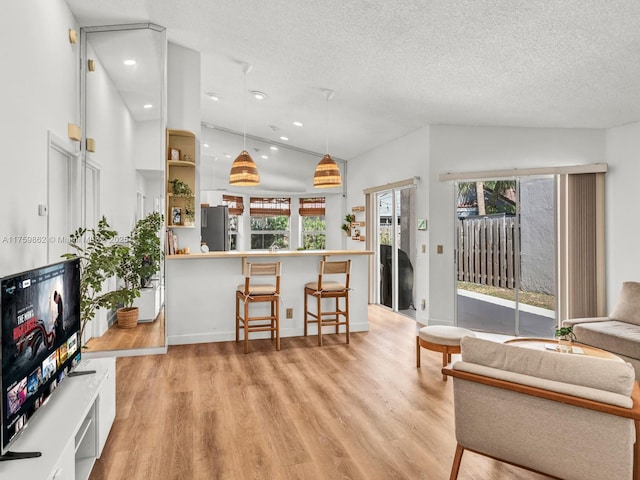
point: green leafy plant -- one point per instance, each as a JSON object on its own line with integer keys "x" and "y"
{"x": 349, "y": 219}
{"x": 178, "y": 187}
{"x": 138, "y": 261}
{"x": 98, "y": 261}
{"x": 146, "y": 248}
{"x": 190, "y": 209}
{"x": 565, "y": 332}
{"x": 181, "y": 189}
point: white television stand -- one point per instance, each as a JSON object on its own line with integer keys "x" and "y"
{"x": 70, "y": 430}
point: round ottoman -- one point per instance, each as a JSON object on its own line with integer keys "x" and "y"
{"x": 441, "y": 338}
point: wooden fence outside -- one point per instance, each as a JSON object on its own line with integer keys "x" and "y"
{"x": 486, "y": 251}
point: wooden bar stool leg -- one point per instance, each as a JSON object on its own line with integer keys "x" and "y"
{"x": 273, "y": 319}
{"x": 246, "y": 326}
{"x": 319, "y": 302}
{"x": 277, "y": 320}
{"x": 237, "y": 319}
{"x": 306, "y": 318}
{"x": 337, "y": 315}
{"x": 417, "y": 352}
{"x": 346, "y": 309}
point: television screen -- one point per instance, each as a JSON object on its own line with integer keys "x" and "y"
{"x": 40, "y": 339}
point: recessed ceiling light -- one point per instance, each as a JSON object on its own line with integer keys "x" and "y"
{"x": 258, "y": 95}
{"x": 297, "y": 124}
{"x": 213, "y": 96}
{"x": 147, "y": 105}
{"x": 206, "y": 145}
{"x": 130, "y": 62}
{"x": 284, "y": 138}
{"x": 266, "y": 157}
{"x": 273, "y": 147}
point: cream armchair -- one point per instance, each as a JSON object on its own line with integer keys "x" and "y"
{"x": 568, "y": 416}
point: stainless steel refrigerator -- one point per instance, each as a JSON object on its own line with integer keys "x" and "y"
{"x": 215, "y": 228}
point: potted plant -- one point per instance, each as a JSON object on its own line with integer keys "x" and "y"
{"x": 146, "y": 247}
{"x": 189, "y": 211}
{"x": 98, "y": 261}
{"x": 181, "y": 189}
{"x": 565, "y": 337}
{"x": 136, "y": 263}
{"x": 349, "y": 219}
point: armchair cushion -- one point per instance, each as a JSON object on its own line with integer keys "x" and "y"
{"x": 627, "y": 308}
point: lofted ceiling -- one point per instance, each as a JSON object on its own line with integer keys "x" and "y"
{"x": 398, "y": 66}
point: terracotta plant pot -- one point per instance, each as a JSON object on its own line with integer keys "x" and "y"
{"x": 127, "y": 317}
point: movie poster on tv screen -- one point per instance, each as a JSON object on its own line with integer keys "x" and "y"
{"x": 40, "y": 333}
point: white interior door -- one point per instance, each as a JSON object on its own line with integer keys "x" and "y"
{"x": 62, "y": 191}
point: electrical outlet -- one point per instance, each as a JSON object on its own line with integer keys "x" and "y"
{"x": 440, "y": 249}
{"x": 424, "y": 248}
{"x": 423, "y": 304}
{"x": 289, "y": 312}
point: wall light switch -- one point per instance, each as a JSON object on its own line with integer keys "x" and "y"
{"x": 43, "y": 210}
{"x": 440, "y": 249}
{"x": 424, "y": 248}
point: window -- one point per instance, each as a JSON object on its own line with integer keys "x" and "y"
{"x": 269, "y": 222}
{"x": 236, "y": 208}
{"x": 314, "y": 227}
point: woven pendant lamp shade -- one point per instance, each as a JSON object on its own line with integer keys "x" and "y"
{"x": 244, "y": 172}
{"x": 327, "y": 173}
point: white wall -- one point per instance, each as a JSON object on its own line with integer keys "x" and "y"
{"x": 148, "y": 151}
{"x": 472, "y": 149}
{"x": 400, "y": 159}
{"x": 39, "y": 92}
{"x": 623, "y": 229}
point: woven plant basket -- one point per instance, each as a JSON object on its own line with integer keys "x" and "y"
{"x": 127, "y": 317}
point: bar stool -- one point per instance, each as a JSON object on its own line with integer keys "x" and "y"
{"x": 322, "y": 289}
{"x": 250, "y": 292}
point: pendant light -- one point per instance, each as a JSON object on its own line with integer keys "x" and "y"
{"x": 327, "y": 172}
{"x": 244, "y": 172}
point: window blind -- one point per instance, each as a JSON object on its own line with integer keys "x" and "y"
{"x": 312, "y": 207}
{"x": 236, "y": 204}
{"x": 269, "y": 207}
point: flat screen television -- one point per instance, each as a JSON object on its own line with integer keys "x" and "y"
{"x": 40, "y": 330}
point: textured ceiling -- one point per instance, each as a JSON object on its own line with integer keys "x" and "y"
{"x": 397, "y": 66}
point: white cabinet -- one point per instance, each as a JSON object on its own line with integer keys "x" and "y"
{"x": 71, "y": 429}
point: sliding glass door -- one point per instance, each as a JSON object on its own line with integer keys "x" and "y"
{"x": 395, "y": 247}
{"x": 505, "y": 255}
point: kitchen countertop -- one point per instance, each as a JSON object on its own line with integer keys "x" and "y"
{"x": 267, "y": 253}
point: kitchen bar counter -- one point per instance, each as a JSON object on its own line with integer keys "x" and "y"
{"x": 200, "y": 292}
{"x": 269, "y": 253}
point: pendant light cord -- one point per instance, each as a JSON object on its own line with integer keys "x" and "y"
{"x": 327, "y": 130}
{"x": 244, "y": 110}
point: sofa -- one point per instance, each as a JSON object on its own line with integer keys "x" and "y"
{"x": 619, "y": 333}
{"x": 569, "y": 416}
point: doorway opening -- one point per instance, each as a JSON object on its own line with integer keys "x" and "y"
{"x": 395, "y": 239}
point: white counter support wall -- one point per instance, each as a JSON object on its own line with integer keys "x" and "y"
{"x": 200, "y": 292}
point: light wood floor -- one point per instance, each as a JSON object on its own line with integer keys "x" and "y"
{"x": 358, "y": 411}
{"x": 144, "y": 335}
